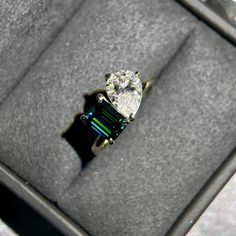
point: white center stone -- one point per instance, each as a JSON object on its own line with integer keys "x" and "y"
{"x": 124, "y": 89}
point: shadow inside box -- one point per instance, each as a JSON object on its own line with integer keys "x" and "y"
{"x": 80, "y": 136}
{"x": 18, "y": 218}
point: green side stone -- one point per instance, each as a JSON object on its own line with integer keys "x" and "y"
{"x": 105, "y": 120}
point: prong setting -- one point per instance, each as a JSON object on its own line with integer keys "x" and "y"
{"x": 126, "y": 122}
{"x": 83, "y": 117}
{"x": 111, "y": 141}
{"x": 131, "y": 117}
{"x": 114, "y": 108}
{"x": 100, "y": 98}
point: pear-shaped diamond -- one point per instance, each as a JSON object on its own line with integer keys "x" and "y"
{"x": 124, "y": 89}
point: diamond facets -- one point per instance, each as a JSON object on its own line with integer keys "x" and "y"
{"x": 124, "y": 89}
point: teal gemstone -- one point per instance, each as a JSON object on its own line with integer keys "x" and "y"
{"x": 105, "y": 120}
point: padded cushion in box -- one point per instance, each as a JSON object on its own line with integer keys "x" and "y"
{"x": 100, "y": 38}
{"x": 184, "y": 130}
{"x": 27, "y": 27}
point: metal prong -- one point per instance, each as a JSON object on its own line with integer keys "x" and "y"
{"x": 83, "y": 117}
{"x": 125, "y": 123}
{"x": 100, "y": 97}
{"x": 111, "y": 141}
{"x": 147, "y": 85}
{"x": 131, "y": 117}
{"x": 107, "y": 76}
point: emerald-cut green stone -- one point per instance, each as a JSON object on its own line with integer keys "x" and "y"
{"x": 105, "y": 120}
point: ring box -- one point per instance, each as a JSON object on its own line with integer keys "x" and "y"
{"x": 199, "y": 203}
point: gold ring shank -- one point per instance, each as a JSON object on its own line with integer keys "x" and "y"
{"x": 99, "y": 144}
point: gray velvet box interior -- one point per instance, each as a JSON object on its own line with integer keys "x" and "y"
{"x": 184, "y": 130}
{"x": 27, "y": 28}
{"x": 46, "y": 101}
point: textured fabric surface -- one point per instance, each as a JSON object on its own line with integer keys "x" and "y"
{"x": 26, "y": 29}
{"x": 183, "y": 132}
{"x": 46, "y": 101}
{"x": 220, "y": 217}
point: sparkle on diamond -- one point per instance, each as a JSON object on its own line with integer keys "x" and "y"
{"x": 124, "y": 89}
